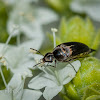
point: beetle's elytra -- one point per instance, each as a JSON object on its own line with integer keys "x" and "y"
{"x": 66, "y": 52}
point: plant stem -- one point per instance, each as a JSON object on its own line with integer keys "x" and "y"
{"x": 5, "y": 46}
{"x": 3, "y": 77}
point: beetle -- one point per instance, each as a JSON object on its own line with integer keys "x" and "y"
{"x": 66, "y": 52}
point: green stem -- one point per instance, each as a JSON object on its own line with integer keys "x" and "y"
{"x": 5, "y": 46}
{"x": 3, "y": 78}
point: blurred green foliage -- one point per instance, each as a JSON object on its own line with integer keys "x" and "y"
{"x": 3, "y": 24}
{"x": 3, "y": 20}
{"x": 78, "y": 30}
{"x": 62, "y": 7}
{"x": 3, "y": 37}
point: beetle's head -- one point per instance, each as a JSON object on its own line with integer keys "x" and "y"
{"x": 48, "y": 57}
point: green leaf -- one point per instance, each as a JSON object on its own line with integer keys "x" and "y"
{"x": 3, "y": 20}
{"x": 93, "y": 97}
{"x": 56, "y": 4}
{"x": 87, "y": 80}
{"x": 61, "y": 6}
{"x": 96, "y": 42}
{"x": 71, "y": 92}
{"x": 89, "y": 93}
{"x": 62, "y": 29}
{"x": 89, "y": 25}
{"x": 64, "y": 97}
{"x": 78, "y": 84}
{"x": 3, "y": 24}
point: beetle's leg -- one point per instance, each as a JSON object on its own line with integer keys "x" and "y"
{"x": 47, "y": 64}
{"x": 55, "y": 63}
{"x": 72, "y": 66}
{"x": 50, "y": 65}
{"x": 42, "y": 66}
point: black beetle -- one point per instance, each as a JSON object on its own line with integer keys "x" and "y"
{"x": 66, "y": 52}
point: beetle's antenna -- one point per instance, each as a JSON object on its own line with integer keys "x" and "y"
{"x": 54, "y": 37}
{"x": 72, "y": 66}
{"x": 37, "y": 64}
{"x": 34, "y": 51}
{"x": 41, "y": 61}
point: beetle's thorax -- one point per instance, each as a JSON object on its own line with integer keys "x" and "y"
{"x": 61, "y": 52}
{"x": 48, "y": 57}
